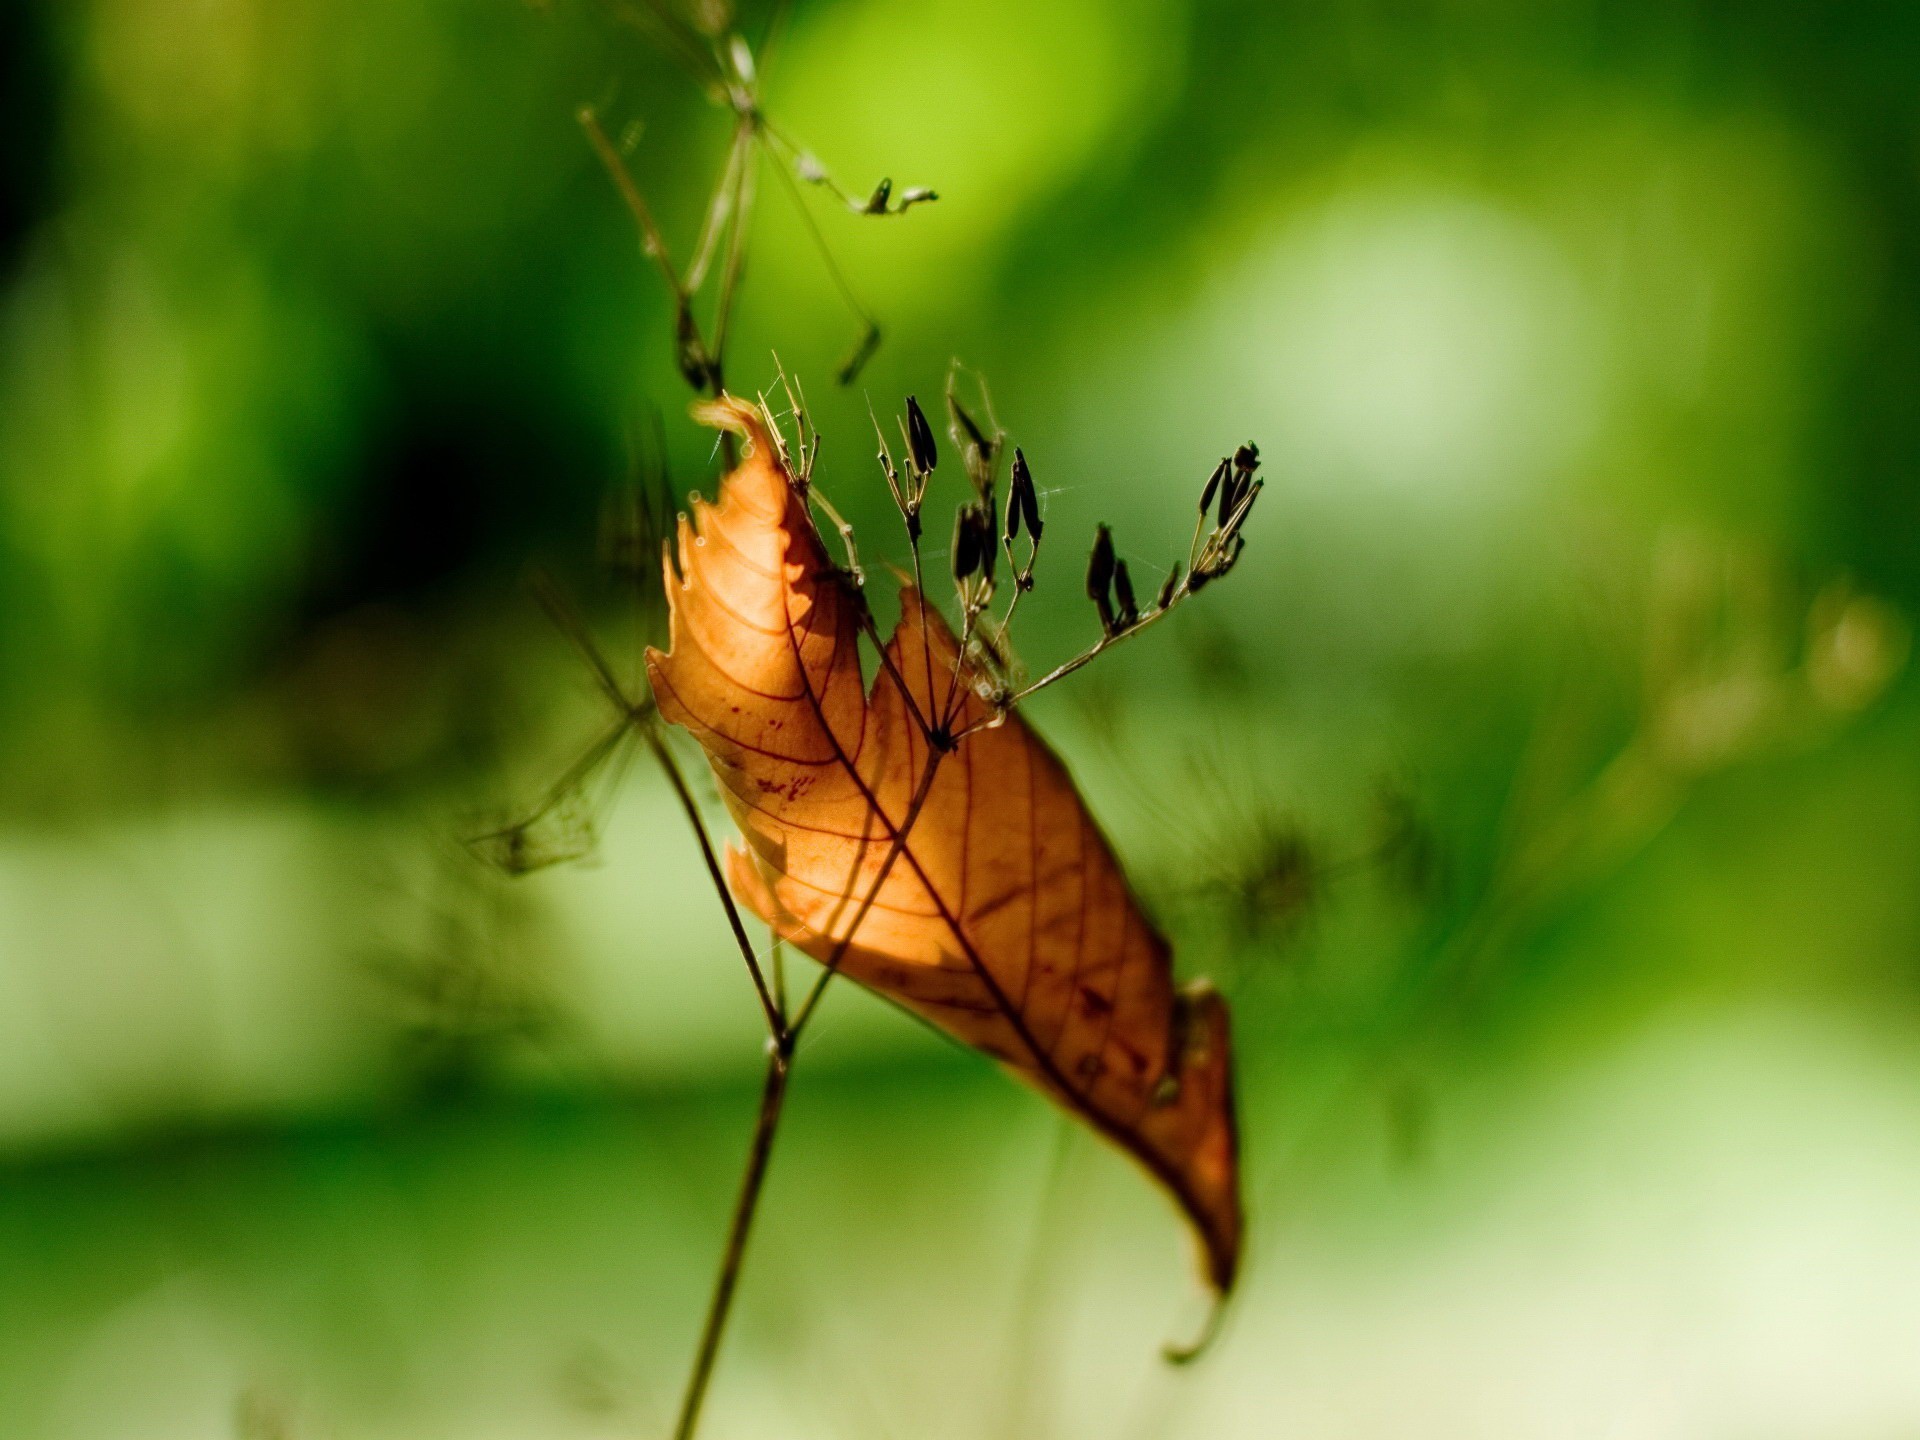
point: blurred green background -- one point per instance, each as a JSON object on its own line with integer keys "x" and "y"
{"x": 1543, "y": 789}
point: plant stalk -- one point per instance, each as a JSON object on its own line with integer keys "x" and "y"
{"x": 773, "y": 1095}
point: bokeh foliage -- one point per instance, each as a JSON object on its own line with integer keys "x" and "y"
{"x": 1548, "y": 768}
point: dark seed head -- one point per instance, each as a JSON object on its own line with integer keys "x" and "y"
{"x": 1229, "y": 494}
{"x": 1247, "y": 458}
{"x": 1247, "y": 492}
{"x": 1100, "y": 576}
{"x": 690, "y": 354}
{"x": 964, "y": 424}
{"x": 983, "y": 539}
{"x": 920, "y": 447}
{"x": 1123, "y": 592}
{"x": 1028, "y": 496}
{"x": 1100, "y": 564}
{"x": 1167, "y": 587}
{"x": 966, "y": 545}
{"x": 1012, "y": 527}
{"x": 877, "y": 204}
{"x": 1212, "y": 486}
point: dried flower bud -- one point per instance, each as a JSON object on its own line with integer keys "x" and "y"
{"x": 877, "y": 203}
{"x": 1249, "y": 490}
{"x": 1011, "y": 530}
{"x": 1024, "y": 491}
{"x": 966, "y": 545}
{"x": 1168, "y": 587}
{"x": 920, "y": 447}
{"x": 1229, "y": 497}
{"x": 963, "y": 427}
{"x": 974, "y": 552}
{"x": 1129, "y": 613}
{"x": 1100, "y": 563}
{"x": 1247, "y": 458}
{"x": 689, "y": 352}
{"x": 1100, "y": 576}
{"x": 1212, "y": 487}
{"x": 983, "y": 537}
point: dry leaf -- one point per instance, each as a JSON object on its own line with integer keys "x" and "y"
{"x": 1003, "y": 918}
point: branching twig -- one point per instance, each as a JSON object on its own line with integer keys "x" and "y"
{"x": 725, "y": 67}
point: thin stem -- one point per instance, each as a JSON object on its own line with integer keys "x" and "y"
{"x": 719, "y": 209}
{"x": 872, "y": 632}
{"x": 653, "y": 18}
{"x": 869, "y": 327}
{"x": 1061, "y": 671}
{"x": 571, "y": 780}
{"x": 776, "y": 1023}
{"x": 736, "y": 256}
{"x": 1028, "y": 1336}
{"x": 773, "y": 1095}
{"x": 956, "y": 696}
{"x": 920, "y": 598}
{"x": 894, "y": 850}
{"x": 568, "y": 622}
{"x": 839, "y": 523}
{"x": 652, "y": 242}
{"x": 1193, "y": 545}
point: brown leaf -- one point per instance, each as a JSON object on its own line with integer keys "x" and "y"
{"x": 1003, "y": 917}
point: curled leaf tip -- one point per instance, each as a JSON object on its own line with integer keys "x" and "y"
{"x": 1175, "y": 1353}
{"x": 740, "y": 417}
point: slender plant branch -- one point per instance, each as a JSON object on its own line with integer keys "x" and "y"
{"x": 653, "y": 243}
{"x": 728, "y": 75}
{"x": 720, "y": 208}
{"x": 776, "y": 1021}
{"x": 773, "y": 1095}
{"x": 1007, "y": 704}
{"x": 895, "y": 848}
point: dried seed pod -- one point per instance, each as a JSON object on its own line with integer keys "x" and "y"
{"x": 1100, "y": 576}
{"x": 1243, "y": 506}
{"x": 877, "y": 203}
{"x": 1028, "y": 496}
{"x": 983, "y": 538}
{"x": 1011, "y": 529}
{"x": 1212, "y": 487}
{"x": 1100, "y": 563}
{"x": 961, "y": 423}
{"x": 966, "y": 546}
{"x": 1129, "y": 608}
{"x": 689, "y": 352}
{"x": 1247, "y": 458}
{"x": 920, "y": 447}
{"x": 1168, "y": 587}
{"x": 1229, "y": 494}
